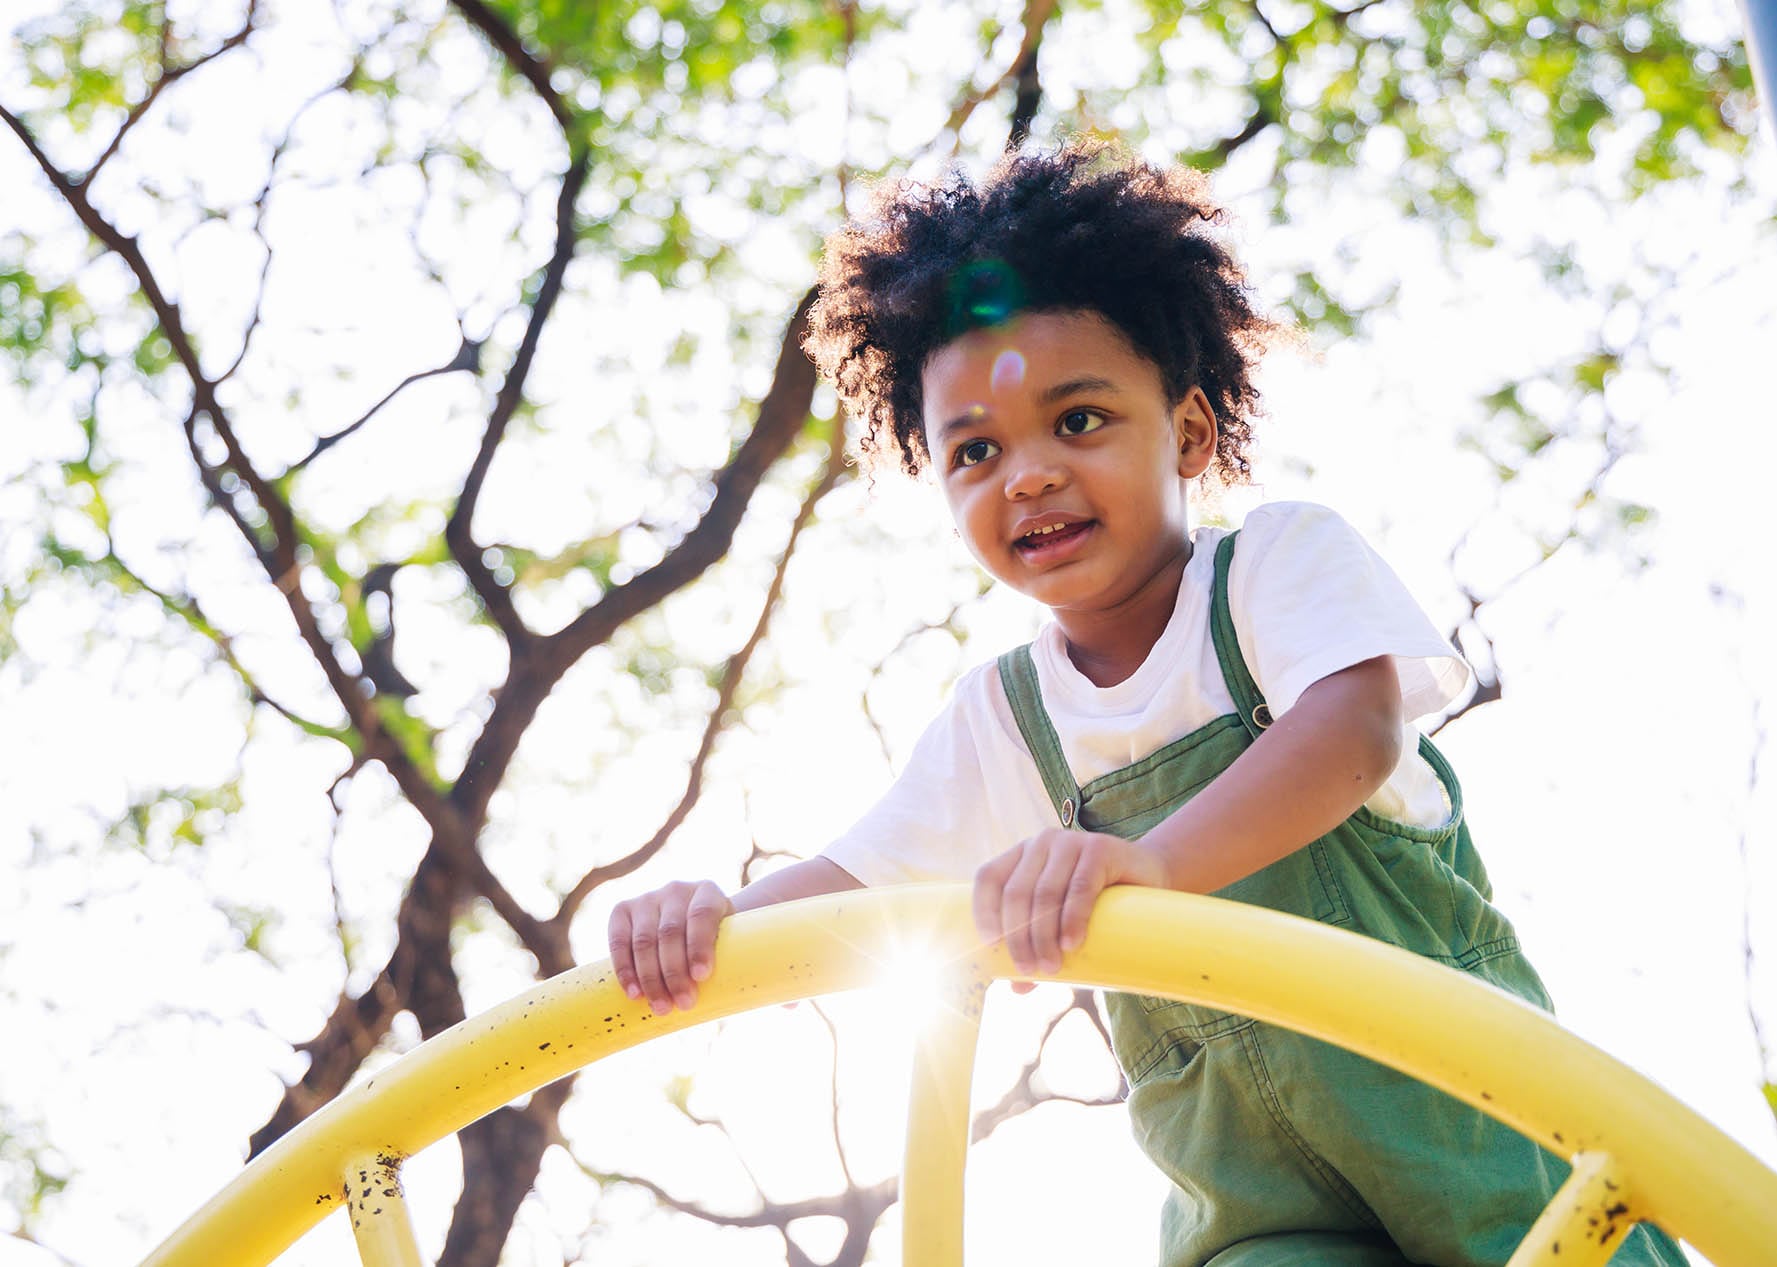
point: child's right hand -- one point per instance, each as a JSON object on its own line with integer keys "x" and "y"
{"x": 663, "y": 942}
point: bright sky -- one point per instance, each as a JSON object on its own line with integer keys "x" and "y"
{"x": 1611, "y": 792}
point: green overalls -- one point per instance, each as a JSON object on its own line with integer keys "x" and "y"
{"x": 1283, "y": 1149}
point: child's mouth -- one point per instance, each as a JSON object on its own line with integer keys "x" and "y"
{"x": 1052, "y": 540}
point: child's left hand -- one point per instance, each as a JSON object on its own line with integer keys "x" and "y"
{"x": 1036, "y": 896}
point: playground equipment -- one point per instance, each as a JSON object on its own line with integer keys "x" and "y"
{"x": 1761, "y": 49}
{"x": 1638, "y": 1153}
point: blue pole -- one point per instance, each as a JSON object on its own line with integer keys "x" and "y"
{"x": 1761, "y": 48}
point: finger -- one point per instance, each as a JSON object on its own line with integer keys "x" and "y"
{"x": 623, "y": 959}
{"x": 1046, "y": 903}
{"x": 1023, "y": 987}
{"x": 709, "y": 906}
{"x": 1087, "y": 883}
{"x": 1015, "y": 904}
{"x": 675, "y": 964}
{"x": 990, "y": 883}
{"x": 644, "y": 942}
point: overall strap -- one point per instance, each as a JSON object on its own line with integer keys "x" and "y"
{"x": 1248, "y": 702}
{"x": 1018, "y": 674}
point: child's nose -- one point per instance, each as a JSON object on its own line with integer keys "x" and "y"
{"x": 1033, "y": 474}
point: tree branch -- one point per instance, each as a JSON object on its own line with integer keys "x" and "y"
{"x": 532, "y": 67}
{"x": 833, "y": 1093}
{"x": 458, "y": 532}
{"x": 946, "y": 622}
{"x": 1263, "y": 116}
{"x": 418, "y": 977}
{"x": 259, "y": 204}
{"x": 1022, "y": 71}
{"x": 1617, "y": 440}
{"x": 165, "y": 80}
{"x": 186, "y": 608}
{"x": 25, "y": 1238}
{"x": 468, "y": 358}
{"x": 846, "y": 1205}
{"x": 278, "y": 554}
{"x": 782, "y": 414}
{"x": 1767, "y": 1068}
{"x": 1259, "y": 13}
{"x": 1023, "y": 1095}
{"x": 732, "y": 673}
{"x": 502, "y": 1154}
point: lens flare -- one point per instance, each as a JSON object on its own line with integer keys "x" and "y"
{"x": 983, "y": 293}
{"x": 1008, "y": 371}
{"x": 913, "y": 978}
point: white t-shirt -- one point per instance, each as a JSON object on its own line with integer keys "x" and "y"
{"x": 1309, "y": 597}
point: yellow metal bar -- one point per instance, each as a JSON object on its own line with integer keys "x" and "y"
{"x": 1585, "y": 1223}
{"x": 1397, "y": 1008}
{"x": 938, "y": 1128}
{"x": 378, "y": 1207}
{"x": 1689, "y": 1176}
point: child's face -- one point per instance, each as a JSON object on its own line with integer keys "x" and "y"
{"x": 1065, "y": 469}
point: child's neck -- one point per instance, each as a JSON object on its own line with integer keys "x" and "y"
{"x": 1107, "y": 646}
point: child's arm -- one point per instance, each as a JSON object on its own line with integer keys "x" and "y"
{"x": 1301, "y": 778}
{"x": 663, "y": 942}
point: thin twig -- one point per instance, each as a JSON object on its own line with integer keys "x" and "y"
{"x": 458, "y": 530}
{"x": 732, "y": 673}
{"x": 260, "y": 202}
{"x": 1023, "y": 1095}
{"x": 947, "y": 622}
{"x": 1766, "y": 1068}
{"x": 187, "y": 608}
{"x": 1035, "y": 18}
{"x": 782, "y": 416}
{"x": 165, "y": 80}
{"x": 25, "y": 1238}
{"x": 777, "y": 1214}
{"x": 467, "y": 358}
{"x": 833, "y": 1092}
{"x": 534, "y": 68}
{"x": 277, "y": 552}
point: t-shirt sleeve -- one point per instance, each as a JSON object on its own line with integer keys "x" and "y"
{"x": 933, "y": 823}
{"x": 1310, "y": 597}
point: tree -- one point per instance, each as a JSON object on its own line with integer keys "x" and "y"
{"x": 483, "y": 319}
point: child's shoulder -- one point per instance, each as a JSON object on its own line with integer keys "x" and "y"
{"x": 1291, "y": 533}
{"x": 1270, "y": 519}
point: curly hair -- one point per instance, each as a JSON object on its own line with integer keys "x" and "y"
{"x": 1080, "y": 229}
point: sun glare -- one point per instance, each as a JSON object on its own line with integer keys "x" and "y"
{"x": 913, "y": 980}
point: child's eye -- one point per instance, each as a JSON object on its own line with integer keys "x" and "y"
{"x": 1077, "y": 422}
{"x": 975, "y": 452}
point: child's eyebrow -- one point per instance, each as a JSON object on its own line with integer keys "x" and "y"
{"x": 1072, "y": 386}
{"x": 1048, "y": 396}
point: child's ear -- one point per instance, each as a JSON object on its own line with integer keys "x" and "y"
{"x": 1194, "y": 430}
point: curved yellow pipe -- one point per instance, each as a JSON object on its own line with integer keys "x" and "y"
{"x": 1374, "y": 999}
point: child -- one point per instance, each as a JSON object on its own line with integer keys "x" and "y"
{"x": 1066, "y": 348}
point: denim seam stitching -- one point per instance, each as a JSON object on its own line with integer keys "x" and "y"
{"x": 1169, "y": 1040}
{"x": 1328, "y": 1173}
{"x": 1329, "y": 882}
{"x": 1212, "y": 729}
{"x": 1486, "y": 952}
{"x": 1165, "y": 804}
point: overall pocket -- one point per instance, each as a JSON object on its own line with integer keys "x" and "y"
{"x": 1153, "y": 1035}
